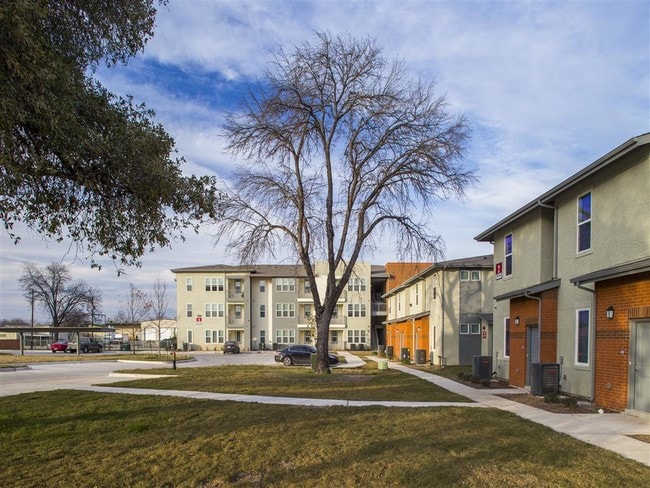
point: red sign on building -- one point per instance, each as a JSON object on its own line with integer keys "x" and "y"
{"x": 498, "y": 271}
{"x": 199, "y": 319}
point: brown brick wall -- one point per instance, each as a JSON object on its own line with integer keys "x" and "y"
{"x": 613, "y": 336}
{"x": 528, "y": 310}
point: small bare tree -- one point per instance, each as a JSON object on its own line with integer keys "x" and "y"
{"x": 159, "y": 308}
{"x": 342, "y": 148}
{"x": 66, "y": 301}
{"x": 134, "y": 310}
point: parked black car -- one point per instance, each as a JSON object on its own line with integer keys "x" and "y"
{"x": 230, "y": 347}
{"x": 300, "y": 354}
{"x": 88, "y": 344}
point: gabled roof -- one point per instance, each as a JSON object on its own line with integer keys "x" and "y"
{"x": 261, "y": 270}
{"x": 625, "y": 269}
{"x": 550, "y": 196}
{"x": 484, "y": 261}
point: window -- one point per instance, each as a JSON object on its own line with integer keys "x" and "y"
{"x": 262, "y": 337}
{"x": 285, "y": 284}
{"x": 476, "y": 275}
{"x": 188, "y": 310}
{"x": 356, "y": 309}
{"x": 285, "y": 310}
{"x": 208, "y": 336}
{"x": 214, "y": 309}
{"x": 285, "y": 336}
{"x": 356, "y": 336}
{"x": 262, "y": 286}
{"x": 474, "y": 328}
{"x": 335, "y": 313}
{"x": 508, "y": 247}
{"x": 214, "y": 284}
{"x": 464, "y": 275}
{"x": 188, "y": 284}
{"x": 582, "y": 337}
{"x": 357, "y": 284}
{"x": 238, "y": 309}
{"x": 464, "y": 329}
{"x": 220, "y": 336}
{"x": 190, "y": 336}
{"x": 335, "y": 337}
{"x": 238, "y": 286}
{"x": 417, "y": 294}
{"x": 307, "y": 311}
{"x": 435, "y": 292}
{"x": 584, "y": 222}
{"x": 262, "y": 311}
{"x": 506, "y": 337}
{"x": 306, "y": 287}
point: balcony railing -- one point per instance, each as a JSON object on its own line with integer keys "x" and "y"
{"x": 379, "y": 308}
{"x": 235, "y": 320}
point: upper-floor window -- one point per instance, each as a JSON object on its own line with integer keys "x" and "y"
{"x": 214, "y": 309}
{"x": 285, "y": 284}
{"x": 464, "y": 275}
{"x": 262, "y": 311}
{"x": 475, "y": 275}
{"x": 306, "y": 287}
{"x": 285, "y": 310}
{"x": 417, "y": 294}
{"x": 188, "y": 284}
{"x": 262, "y": 286}
{"x": 357, "y": 284}
{"x": 214, "y": 284}
{"x": 356, "y": 310}
{"x": 508, "y": 248}
{"x": 584, "y": 222}
{"x": 188, "y": 310}
{"x": 307, "y": 311}
{"x": 238, "y": 286}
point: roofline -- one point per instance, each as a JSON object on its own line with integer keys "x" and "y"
{"x": 531, "y": 290}
{"x": 618, "y": 271}
{"x": 548, "y": 197}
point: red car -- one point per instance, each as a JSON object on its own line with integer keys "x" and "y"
{"x": 60, "y": 345}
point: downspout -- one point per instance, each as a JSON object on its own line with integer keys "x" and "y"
{"x": 442, "y": 301}
{"x": 592, "y": 339}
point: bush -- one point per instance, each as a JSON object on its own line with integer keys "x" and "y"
{"x": 570, "y": 402}
{"x": 551, "y": 398}
{"x": 406, "y": 361}
{"x": 486, "y": 382}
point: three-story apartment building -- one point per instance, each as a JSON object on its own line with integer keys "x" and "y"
{"x": 572, "y": 282}
{"x": 269, "y": 306}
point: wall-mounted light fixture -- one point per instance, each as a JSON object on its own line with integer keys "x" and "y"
{"x": 609, "y": 313}
{"x": 517, "y": 320}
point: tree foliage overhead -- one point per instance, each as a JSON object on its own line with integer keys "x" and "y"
{"x": 77, "y": 161}
{"x": 342, "y": 149}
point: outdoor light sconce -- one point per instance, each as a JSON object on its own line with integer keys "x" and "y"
{"x": 609, "y": 313}
{"x": 517, "y": 320}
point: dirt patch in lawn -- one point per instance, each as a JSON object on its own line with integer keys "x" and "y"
{"x": 555, "y": 407}
{"x": 641, "y": 437}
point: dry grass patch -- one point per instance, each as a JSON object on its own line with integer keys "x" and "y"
{"x": 74, "y": 438}
{"x": 365, "y": 383}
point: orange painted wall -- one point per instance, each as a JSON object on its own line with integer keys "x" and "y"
{"x": 400, "y": 272}
{"x": 405, "y": 334}
{"x": 613, "y": 336}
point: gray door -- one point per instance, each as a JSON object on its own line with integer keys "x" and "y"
{"x": 532, "y": 350}
{"x": 640, "y": 367}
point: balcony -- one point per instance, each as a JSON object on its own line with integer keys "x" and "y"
{"x": 235, "y": 295}
{"x": 235, "y": 321}
{"x": 379, "y": 309}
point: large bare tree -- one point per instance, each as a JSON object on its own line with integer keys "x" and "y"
{"x": 341, "y": 148}
{"x": 66, "y": 301}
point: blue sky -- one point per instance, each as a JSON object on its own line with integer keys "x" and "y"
{"x": 549, "y": 87}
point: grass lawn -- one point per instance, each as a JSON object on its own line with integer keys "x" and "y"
{"x": 366, "y": 383}
{"x": 10, "y": 360}
{"x": 75, "y": 438}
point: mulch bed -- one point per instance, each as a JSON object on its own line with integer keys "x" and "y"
{"x": 539, "y": 402}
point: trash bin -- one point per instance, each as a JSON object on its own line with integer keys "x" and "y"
{"x": 185, "y": 346}
{"x": 125, "y": 347}
{"x": 314, "y": 361}
{"x": 382, "y": 364}
{"x": 482, "y": 367}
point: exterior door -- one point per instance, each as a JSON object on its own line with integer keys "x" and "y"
{"x": 532, "y": 350}
{"x": 640, "y": 367}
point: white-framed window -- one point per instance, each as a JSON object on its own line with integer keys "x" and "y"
{"x": 262, "y": 311}
{"x": 508, "y": 247}
{"x": 188, "y": 284}
{"x": 237, "y": 286}
{"x": 306, "y": 287}
{"x": 262, "y": 336}
{"x": 285, "y": 310}
{"x": 475, "y": 275}
{"x": 190, "y": 336}
{"x": 464, "y": 275}
{"x": 335, "y": 312}
{"x": 356, "y": 309}
{"x": 506, "y": 337}
{"x": 582, "y": 336}
{"x": 214, "y": 284}
{"x": 188, "y": 310}
{"x": 584, "y": 222}
{"x": 474, "y": 329}
{"x": 220, "y": 337}
{"x": 285, "y": 284}
{"x": 214, "y": 309}
{"x": 262, "y": 286}
{"x": 238, "y": 310}
{"x": 417, "y": 294}
{"x": 464, "y": 329}
{"x": 399, "y": 302}
{"x": 208, "y": 336}
{"x": 357, "y": 284}
{"x": 285, "y": 336}
{"x": 335, "y": 337}
{"x": 307, "y": 311}
{"x": 356, "y": 336}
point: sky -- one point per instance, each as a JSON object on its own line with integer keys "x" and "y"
{"x": 548, "y": 87}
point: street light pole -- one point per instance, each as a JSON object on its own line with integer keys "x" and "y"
{"x": 32, "y": 346}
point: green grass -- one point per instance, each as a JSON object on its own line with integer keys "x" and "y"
{"x": 366, "y": 383}
{"x": 85, "y": 439}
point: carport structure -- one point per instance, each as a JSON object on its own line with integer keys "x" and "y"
{"x": 21, "y": 331}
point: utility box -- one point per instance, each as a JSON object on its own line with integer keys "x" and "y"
{"x": 406, "y": 354}
{"x": 382, "y": 364}
{"x": 420, "y": 356}
{"x": 544, "y": 378}
{"x": 389, "y": 352}
{"x": 482, "y": 367}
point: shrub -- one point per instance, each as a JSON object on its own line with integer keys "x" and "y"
{"x": 485, "y": 382}
{"x": 551, "y": 398}
{"x": 570, "y": 402}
